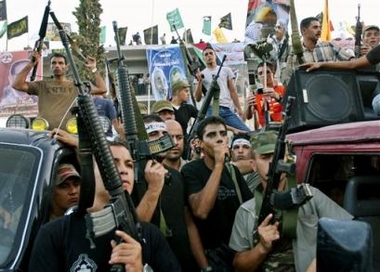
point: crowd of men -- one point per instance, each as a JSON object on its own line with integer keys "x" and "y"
{"x": 197, "y": 203}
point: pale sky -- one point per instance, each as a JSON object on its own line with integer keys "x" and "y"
{"x": 141, "y": 14}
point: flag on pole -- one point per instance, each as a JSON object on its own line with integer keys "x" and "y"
{"x": 206, "y": 25}
{"x": 151, "y": 35}
{"x": 188, "y": 36}
{"x": 326, "y": 27}
{"x": 174, "y": 18}
{"x": 102, "y": 37}
{"x": 219, "y": 35}
{"x": 226, "y": 22}
{"x": 18, "y": 28}
{"x": 122, "y": 31}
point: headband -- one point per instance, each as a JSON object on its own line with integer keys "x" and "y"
{"x": 241, "y": 141}
{"x": 155, "y": 126}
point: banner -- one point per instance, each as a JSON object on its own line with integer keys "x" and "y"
{"x": 13, "y": 101}
{"x": 166, "y": 66}
{"x": 219, "y": 35}
{"x": 206, "y": 25}
{"x": 52, "y": 33}
{"x": 151, "y": 35}
{"x": 326, "y": 31}
{"x": 226, "y": 22}
{"x": 18, "y": 28}
{"x": 3, "y": 28}
{"x": 3, "y": 10}
{"x": 122, "y": 31}
{"x": 174, "y": 18}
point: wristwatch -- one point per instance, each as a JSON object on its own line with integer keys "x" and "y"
{"x": 94, "y": 70}
{"x": 206, "y": 269}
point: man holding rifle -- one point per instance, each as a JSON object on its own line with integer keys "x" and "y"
{"x": 261, "y": 247}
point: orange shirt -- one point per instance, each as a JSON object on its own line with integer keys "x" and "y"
{"x": 275, "y": 107}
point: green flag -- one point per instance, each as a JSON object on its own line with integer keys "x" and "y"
{"x": 122, "y": 34}
{"x": 226, "y": 22}
{"x": 3, "y": 10}
{"x": 151, "y": 35}
{"x": 174, "y": 18}
{"x": 18, "y": 28}
{"x": 102, "y": 37}
{"x": 206, "y": 25}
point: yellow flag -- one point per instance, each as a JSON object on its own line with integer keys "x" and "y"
{"x": 219, "y": 35}
{"x": 326, "y": 33}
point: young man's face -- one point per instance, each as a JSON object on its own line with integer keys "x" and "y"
{"x": 312, "y": 32}
{"x": 125, "y": 166}
{"x": 241, "y": 152}
{"x": 214, "y": 135}
{"x": 371, "y": 37}
{"x": 58, "y": 66}
{"x": 209, "y": 56}
{"x": 260, "y": 164}
{"x": 175, "y": 131}
{"x": 261, "y": 74}
{"x": 156, "y": 134}
{"x": 66, "y": 194}
{"x": 183, "y": 95}
{"x": 166, "y": 115}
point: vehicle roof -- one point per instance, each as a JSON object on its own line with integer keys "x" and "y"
{"x": 23, "y": 136}
{"x": 366, "y": 131}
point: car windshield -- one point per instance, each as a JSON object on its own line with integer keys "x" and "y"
{"x": 18, "y": 171}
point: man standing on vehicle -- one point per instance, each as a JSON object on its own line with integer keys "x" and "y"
{"x": 58, "y": 95}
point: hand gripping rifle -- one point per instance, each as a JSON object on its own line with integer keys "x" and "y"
{"x": 214, "y": 90}
{"x": 120, "y": 212}
{"x": 272, "y": 199}
{"x": 40, "y": 42}
{"x": 358, "y": 34}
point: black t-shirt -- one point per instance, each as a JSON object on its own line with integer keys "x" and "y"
{"x": 183, "y": 115}
{"x": 172, "y": 204}
{"x": 61, "y": 245}
{"x": 373, "y": 56}
{"x": 217, "y": 228}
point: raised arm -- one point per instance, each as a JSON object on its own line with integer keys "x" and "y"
{"x": 19, "y": 83}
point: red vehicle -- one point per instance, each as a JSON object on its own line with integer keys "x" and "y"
{"x": 343, "y": 161}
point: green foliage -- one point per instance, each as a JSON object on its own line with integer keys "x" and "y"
{"x": 87, "y": 40}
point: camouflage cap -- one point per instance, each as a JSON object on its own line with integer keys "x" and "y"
{"x": 64, "y": 172}
{"x": 264, "y": 142}
{"x": 180, "y": 85}
{"x": 161, "y": 105}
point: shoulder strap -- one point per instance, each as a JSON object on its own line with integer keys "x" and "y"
{"x": 231, "y": 171}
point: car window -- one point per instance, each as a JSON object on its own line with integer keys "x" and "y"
{"x": 18, "y": 170}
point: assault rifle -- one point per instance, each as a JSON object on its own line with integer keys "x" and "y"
{"x": 358, "y": 34}
{"x": 272, "y": 199}
{"x": 40, "y": 42}
{"x": 120, "y": 212}
{"x": 214, "y": 90}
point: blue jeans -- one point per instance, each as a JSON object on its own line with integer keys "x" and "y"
{"x": 231, "y": 119}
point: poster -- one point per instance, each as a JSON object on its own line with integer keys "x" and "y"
{"x": 11, "y": 100}
{"x": 166, "y": 66}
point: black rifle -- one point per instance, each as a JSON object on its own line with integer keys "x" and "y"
{"x": 358, "y": 34}
{"x": 272, "y": 199}
{"x": 40, "y": 42}
{"x": 203, "y": 110}
{"x": 120, "y": 209}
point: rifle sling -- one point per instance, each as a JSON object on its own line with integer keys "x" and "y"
{"x": 215, "y": 102}
{"x": 231, "y": 171}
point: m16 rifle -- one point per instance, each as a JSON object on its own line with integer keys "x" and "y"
{"x": 40, "y": 42}
{"x": 120, "y": 212}
{"x": 273, "y": 200}
{"x": 358, "y": 34}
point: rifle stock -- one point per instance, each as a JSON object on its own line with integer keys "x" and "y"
{"x": 40, "y": 42}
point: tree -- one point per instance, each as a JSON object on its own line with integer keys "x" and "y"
{"x": 88, "y": 20}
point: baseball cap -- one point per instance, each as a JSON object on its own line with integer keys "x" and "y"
{"x": 264, "y": 142}
{"x": 64, "y": 172}
{"x": 179, "y": 85}
{"x": 161, "y": 105}
{"x": 371, "y": 27}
